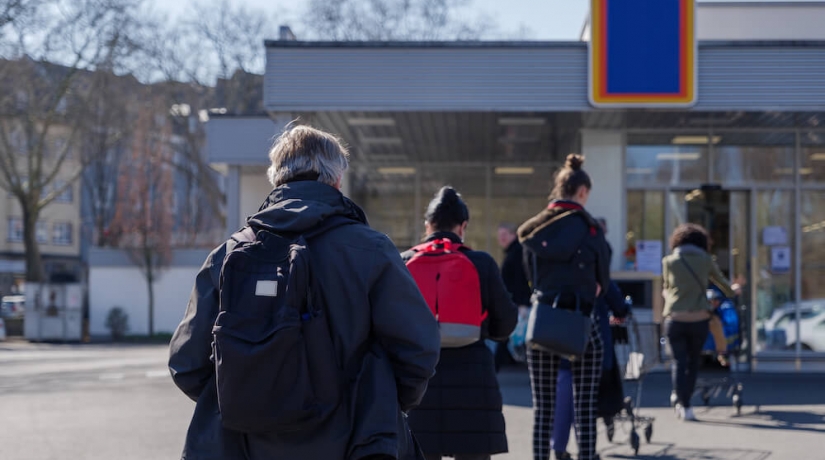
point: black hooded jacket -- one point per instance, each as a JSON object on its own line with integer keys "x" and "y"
{"x": 370, "y": 298}
{"x": 571, "y": 253}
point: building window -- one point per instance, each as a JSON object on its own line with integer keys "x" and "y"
{"x": 15, "y": 230}
{"x": 62, "y": 234}
{"x": 42, "y": 232}
{"x": 67, "y": 196}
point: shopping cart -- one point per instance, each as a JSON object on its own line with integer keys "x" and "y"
{"x": 638, "y": 348}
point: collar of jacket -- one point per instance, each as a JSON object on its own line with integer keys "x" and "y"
{"x": 514, "y": 247}
{"x": 689, "y": 248}
{"x": 299, "y": 206}
{"x": 442, "y": 235}
{"x": 555, "y": 213}
{"x": 566, "y": 205}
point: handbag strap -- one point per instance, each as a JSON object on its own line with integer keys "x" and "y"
{"x": 558, "y": 296}
{"x": 695, "y": 276}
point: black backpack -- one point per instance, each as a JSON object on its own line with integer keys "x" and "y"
{"x": 275, "y": 364}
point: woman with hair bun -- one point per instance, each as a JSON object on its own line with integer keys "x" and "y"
{"x": 567, "y": 259}
{"x": 460, "y": 415}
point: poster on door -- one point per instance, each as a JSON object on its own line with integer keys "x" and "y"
{"x": 780, "y": 259}
{"x": 649, "y": 256}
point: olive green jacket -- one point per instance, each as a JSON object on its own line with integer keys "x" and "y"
{"x": 682, "y": 290}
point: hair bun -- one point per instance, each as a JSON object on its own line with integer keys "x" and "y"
{"x": 574, "y": 162}
{"x": 447, "y": 195}
{"x": 447, "y": 209}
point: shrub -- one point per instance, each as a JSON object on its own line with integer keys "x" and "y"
{"x": 117, "y": 322}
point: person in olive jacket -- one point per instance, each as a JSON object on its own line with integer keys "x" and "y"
{"x": 378, "y": 320}
{"x": 566, "y": 258}
{"x": 686, "y": 273}
{"x": 461, "y": 413}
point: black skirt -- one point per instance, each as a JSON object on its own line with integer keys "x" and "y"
{"x": 461, "y": 411}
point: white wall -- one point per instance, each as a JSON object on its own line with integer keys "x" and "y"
{"x": 604, "y": 161}
{"x": 793, "y": 21}
{"x": 254, "y": 187}
{"x": 125, "y": 287}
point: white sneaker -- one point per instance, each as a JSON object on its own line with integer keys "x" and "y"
{"x": 687, "y": 414}
{"x": 679, "y": 410}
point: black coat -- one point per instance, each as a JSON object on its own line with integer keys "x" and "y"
{"x": 461, "y": 411}
{"x": 370, "y": 299}
{"x": 515, "y": 279}
{"x": 571, "y": 252}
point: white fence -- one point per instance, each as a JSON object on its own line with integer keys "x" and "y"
{"x": 115, "y": 282}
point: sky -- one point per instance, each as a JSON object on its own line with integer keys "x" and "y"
{"x": 544, "y": 19}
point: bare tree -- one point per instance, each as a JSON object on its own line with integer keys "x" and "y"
{"x": 384, "y": 20}
{"x": 218, "y": 52}
{"x": 10, "y": 10}
{"x": 49, "y": 52}
{"x": 104, "y": 139}
{"x": 143, "y": 220}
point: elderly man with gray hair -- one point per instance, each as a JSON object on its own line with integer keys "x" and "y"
{"x": 381, "y": 333}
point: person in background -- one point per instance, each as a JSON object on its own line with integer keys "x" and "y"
{"x": 515, "y": 280}
{"x": 568, "y": 260}
{"x": 725, "y": 334}
{"x": 461, "y": 413}
{"x": 611, "y": 393}
{"x": 686, "y": 273}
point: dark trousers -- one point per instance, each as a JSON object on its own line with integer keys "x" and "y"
{"x": 686, "y": 342}
{"x": 544, "y": 369}
{"x": 461, "y": 457}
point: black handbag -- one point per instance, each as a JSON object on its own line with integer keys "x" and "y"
{"x": 559, "y": 331}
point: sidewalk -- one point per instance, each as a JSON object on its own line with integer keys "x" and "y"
{"x": 783, "y": 419}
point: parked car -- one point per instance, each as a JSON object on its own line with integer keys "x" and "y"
{"x": 782, "y": 323}
{"x": 13, "y": 307}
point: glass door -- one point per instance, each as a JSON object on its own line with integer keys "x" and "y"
{"x": 726, "y": 216}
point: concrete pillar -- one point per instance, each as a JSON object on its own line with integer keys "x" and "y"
{"x": 233, "y": 199}
{"x": 604, "y": 161}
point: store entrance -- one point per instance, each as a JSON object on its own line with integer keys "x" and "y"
{"x": 725, "y": 215}
{"x": 709, "y": 206}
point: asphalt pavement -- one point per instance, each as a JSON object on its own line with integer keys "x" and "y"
{"x": 103, "y": 402}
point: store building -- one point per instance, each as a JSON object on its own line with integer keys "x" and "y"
{"x": 495, "y": 119}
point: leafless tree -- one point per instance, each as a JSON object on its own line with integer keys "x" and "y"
{"x": 48, "y": 53}
{"x": 384, "y": 20}
{"x": 10, "y": 10}
{"x": 104, "y": 139}
{"x": 143, "y": 221}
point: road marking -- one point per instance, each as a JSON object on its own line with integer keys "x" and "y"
{"x": 112, "y": 376}
{"x": 157, "y": 374}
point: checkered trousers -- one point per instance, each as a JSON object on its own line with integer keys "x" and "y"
{"x": 587, "y": 372}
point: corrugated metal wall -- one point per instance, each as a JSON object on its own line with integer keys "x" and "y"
{"x": 545, "y": 77}
{"x": 456, "y": 79}
{"x": 762, "y": 78}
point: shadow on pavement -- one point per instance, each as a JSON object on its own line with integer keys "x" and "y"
{"x": 759, "y": 389}
{"x": 811, "y": 422}
{"x": 670, "y": 452}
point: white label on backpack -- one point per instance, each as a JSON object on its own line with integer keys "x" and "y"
{"x": 266, "y": 289}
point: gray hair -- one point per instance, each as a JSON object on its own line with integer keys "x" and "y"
{"x": 304, "y": 150}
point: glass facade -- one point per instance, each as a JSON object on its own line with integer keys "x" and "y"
{"x": 761, "y": 194}
{"x": 396, "y": 198}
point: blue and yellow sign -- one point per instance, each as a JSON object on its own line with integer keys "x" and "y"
{"x": 642, "y": 53}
